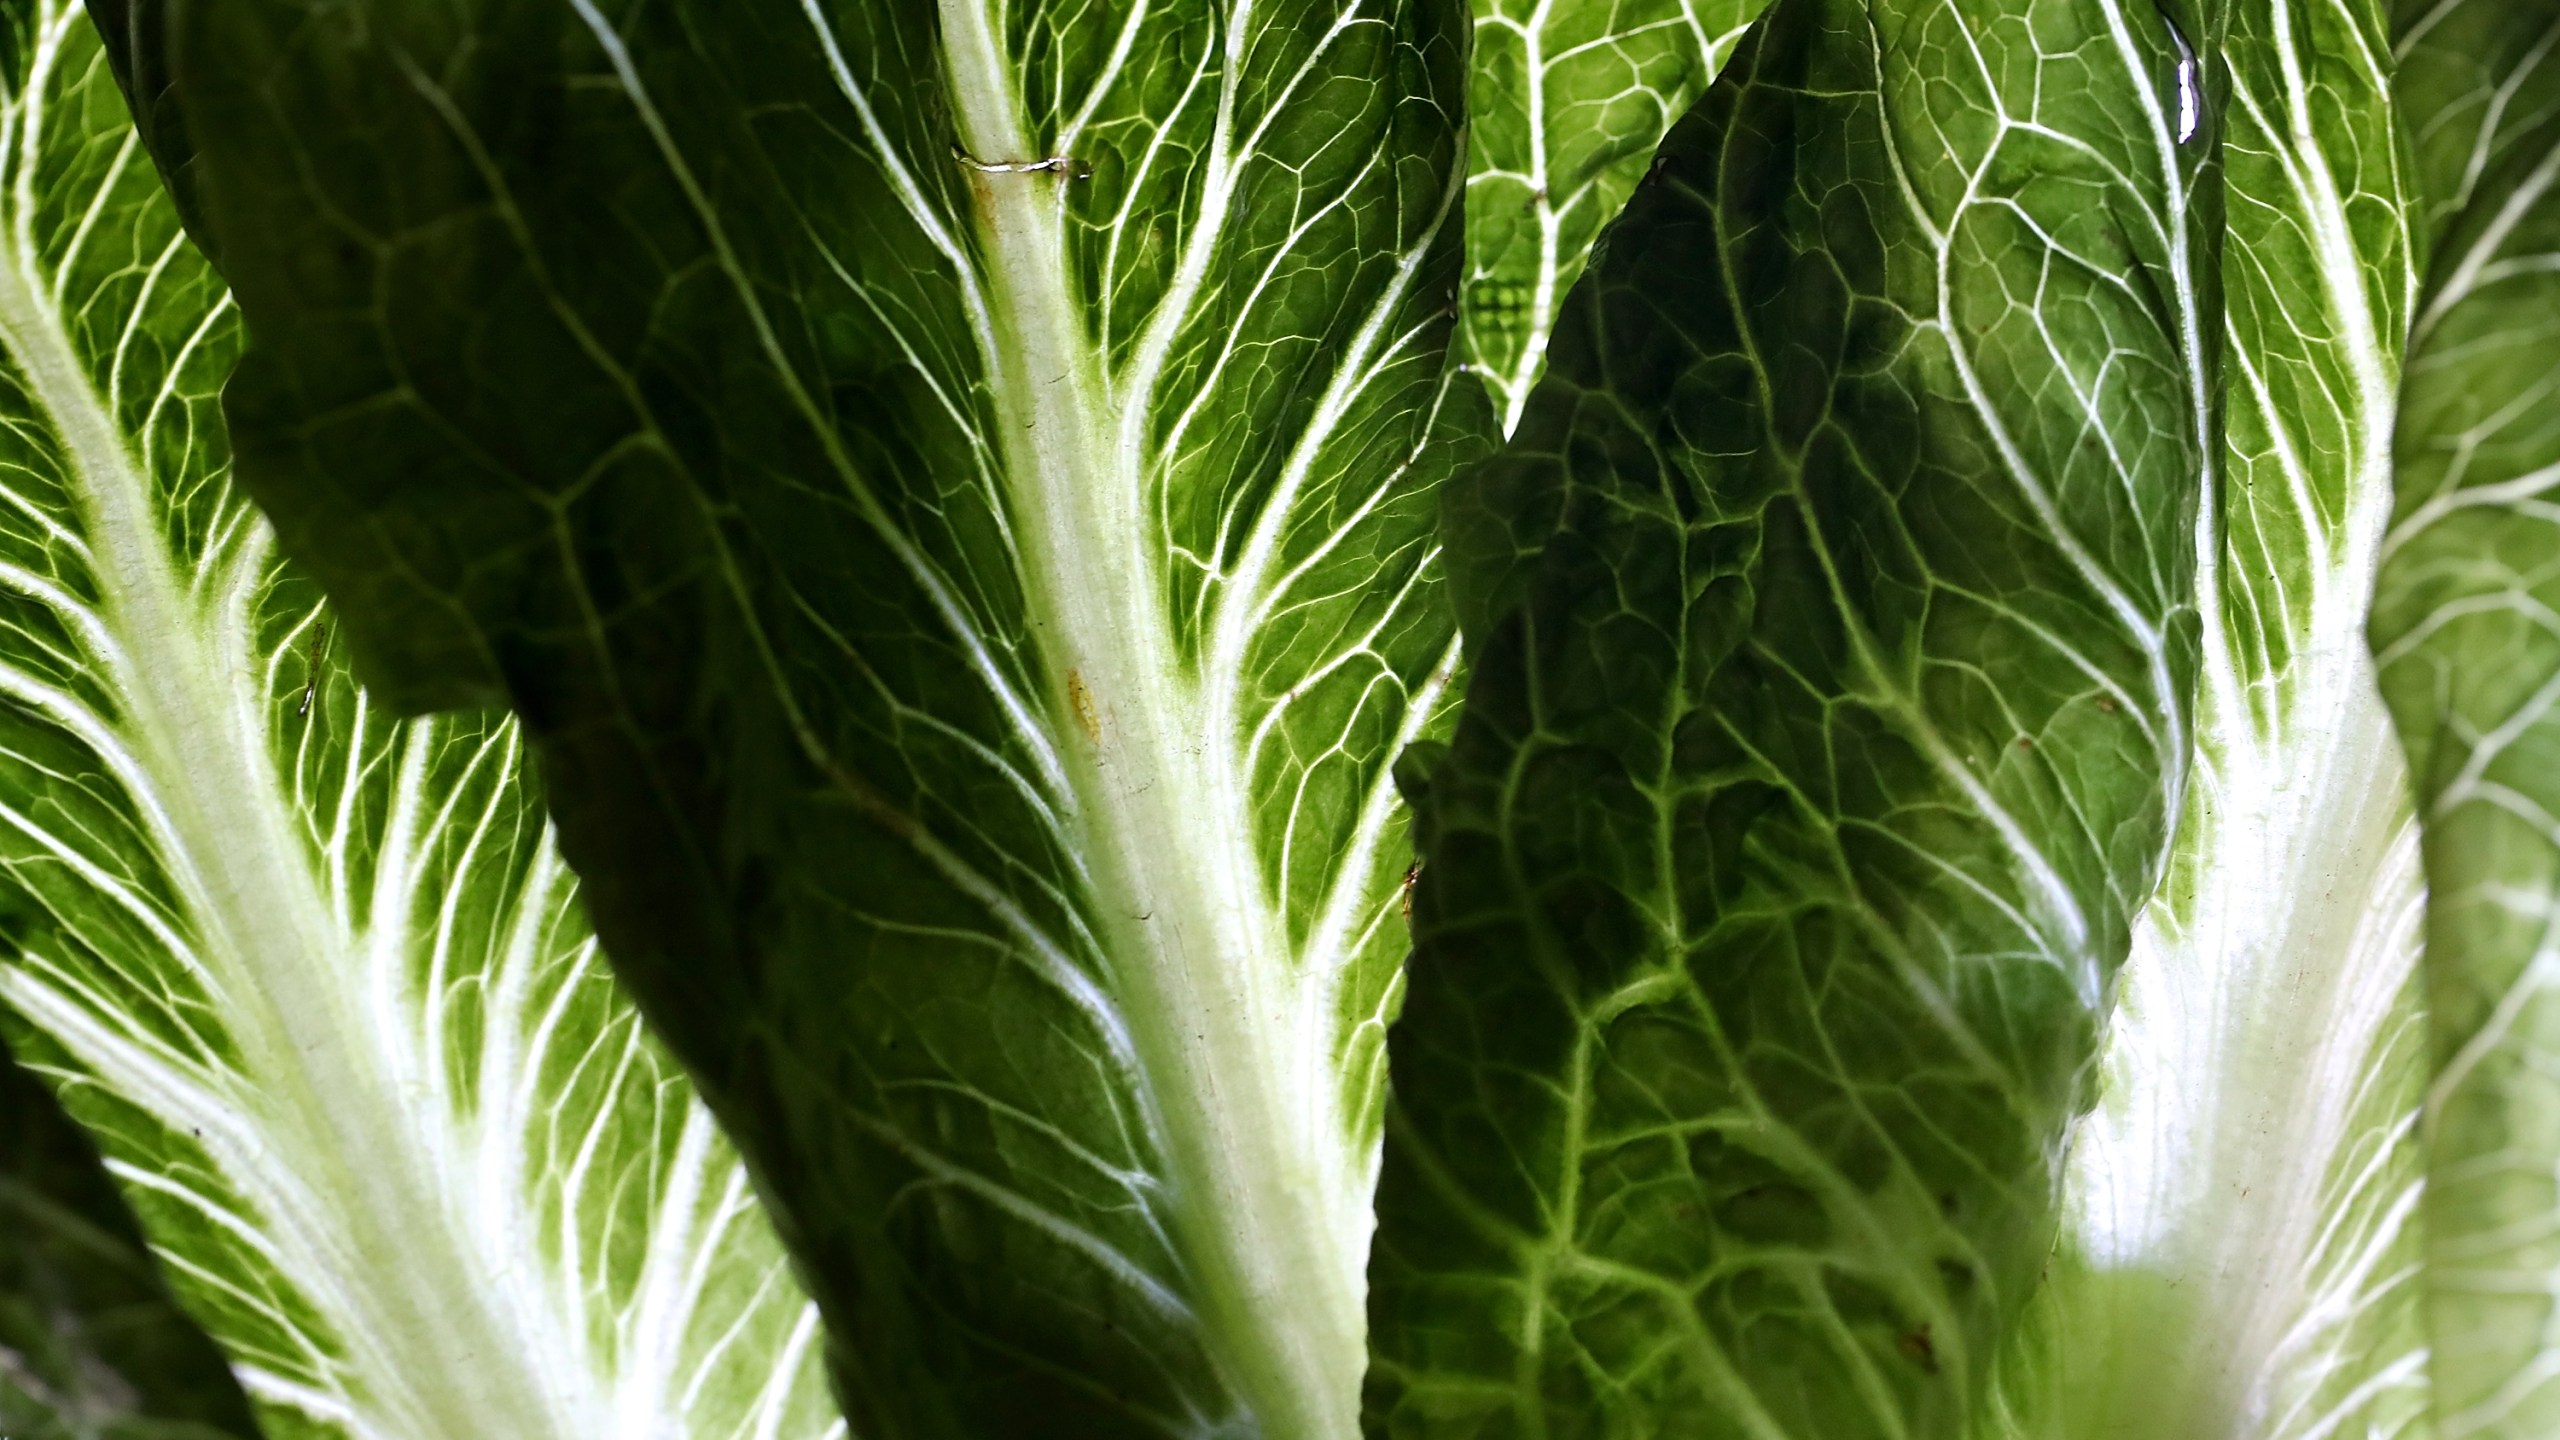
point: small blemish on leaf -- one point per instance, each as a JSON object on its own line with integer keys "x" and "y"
{"x": 1066, "y": 165}
{"x": 1955, "y": 1276}
{"x": 1919, "y": 1349}
{"x": 2189, "y": 81}
{"x": 1412, "y": 873}
{"x": 311, "y": 669}
{"x": 2106, "y": 705}
{"x": 1080, "y": 698}
{"x": 2026, "y": 743}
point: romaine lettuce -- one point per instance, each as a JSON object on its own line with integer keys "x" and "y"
{"x": 1920, "y": 922}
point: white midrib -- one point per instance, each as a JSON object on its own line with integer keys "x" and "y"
{"x": 1197, "y": 960}
{"x": 430, "y": 1354}
{"x": 2241, "y": 1049}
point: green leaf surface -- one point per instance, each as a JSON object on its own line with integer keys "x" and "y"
{"x": 2474, "y": 83}
{"x": 2240, "y": 1248}
{"x": 1812, "y": 775}
{"x": 1565, "y": 103}
{"x": 943, "y": 486}
{"x": 312, "y": 977}
{"x": 2468, "y": 638}
{"x": 92, "y": 1346}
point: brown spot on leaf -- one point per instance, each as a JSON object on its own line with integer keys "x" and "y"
{"x": 1919, "y": 1349}
{"x": 1080, "y": 699}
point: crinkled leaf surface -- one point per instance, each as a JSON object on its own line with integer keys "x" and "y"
{"x": 2240, "y": 1247}
{"x": 2466, "y": 626}
{"x": 1805, "y": 794}
{"x": 311, "y": 977}
{"x": 941, "y": 486}
{"x": 1565, "y": 103}
{"x": 92, "y": 1346}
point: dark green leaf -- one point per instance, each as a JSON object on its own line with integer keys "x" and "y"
{"x": 92, "y": 1347}
{"x": 1810, "y": 776}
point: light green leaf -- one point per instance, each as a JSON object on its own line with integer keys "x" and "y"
{"x": 1803, "y": 802}
{"x": 2468, "y": 638}
{"x": 2474, "y": 83}
{"x": 92, "y": 1346}
{"x": 945, "y": 488}
{"x": 2240, "y": 1245}
{"x": 311, "y": 976}
{"x": 1566, "y": 101}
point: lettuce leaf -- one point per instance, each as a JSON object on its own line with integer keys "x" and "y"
{"x": 2470, "y": 653}
{"x": 1917, "y": 931}
{"x": 1811, "y": 775}
{"x": 312, "y": 977}
{"x": 1566, "y": 100}
{"x": 2241, "y": 1247}
{"x": 946, "y": 490}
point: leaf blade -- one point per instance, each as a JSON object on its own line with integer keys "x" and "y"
{"x": 967, "y": 578}
{"x": 1692, "y": 792}
{"x": 2241, "y": 1243}
{"x": 313, "y": 977}
{"x": 1565, "y": 107}
{"x": 2462, "y": 650}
